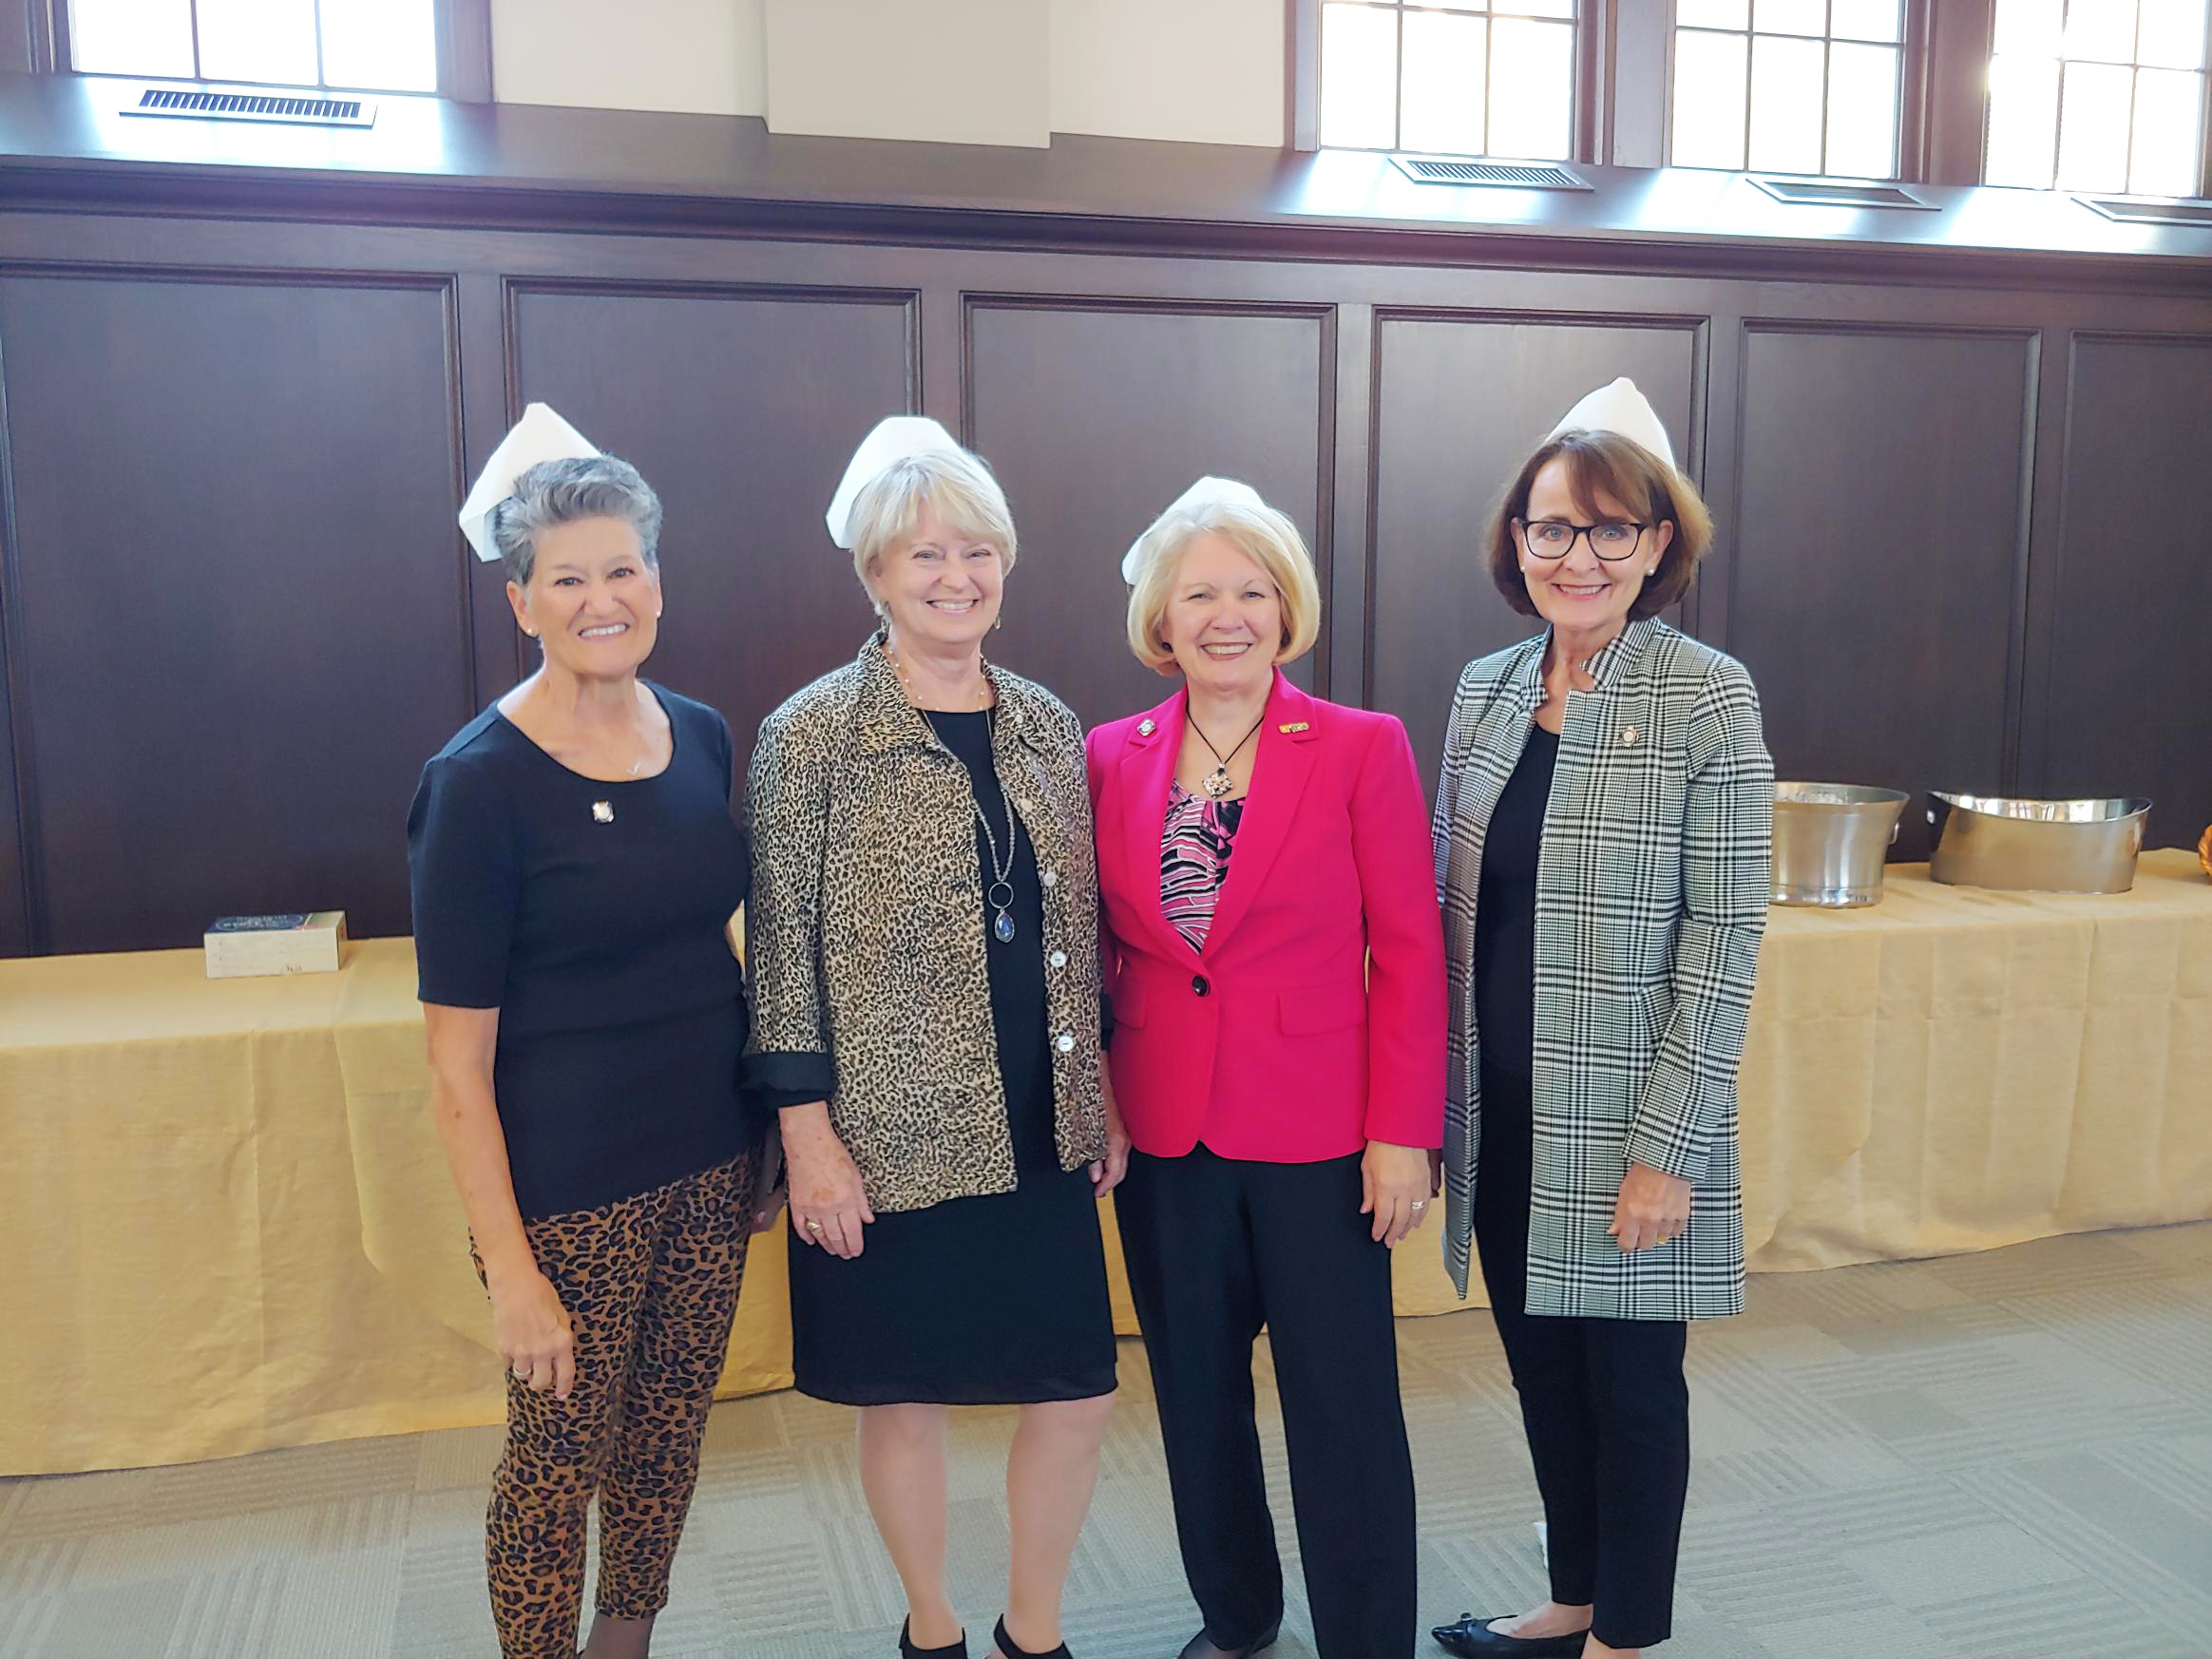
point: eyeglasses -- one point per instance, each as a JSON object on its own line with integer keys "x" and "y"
{"x": 1612, "y": 540}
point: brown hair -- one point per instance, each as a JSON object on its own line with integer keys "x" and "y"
{"x": 1641, "y": 483}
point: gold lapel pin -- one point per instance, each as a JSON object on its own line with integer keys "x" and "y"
{"x": 1294, "y": 726}
{"x": 1145, "y": 728}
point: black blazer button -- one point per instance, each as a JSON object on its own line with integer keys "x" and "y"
{"x": 1199, "y": 985}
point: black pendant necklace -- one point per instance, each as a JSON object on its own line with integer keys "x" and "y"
{"x": 1216, "y": 783}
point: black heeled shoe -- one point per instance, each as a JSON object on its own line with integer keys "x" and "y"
{"x": 1204, "y": 1647}
{"x": 957, "y": 1649}
{"x": 1472, "y": 1638}
{"x": 1007, "y": 1647}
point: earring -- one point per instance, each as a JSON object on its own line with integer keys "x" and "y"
{"x": 532, "y": 632}
{"x": 997, "y": 622}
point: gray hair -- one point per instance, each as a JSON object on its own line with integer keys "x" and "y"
{"x": 559, "y": 492}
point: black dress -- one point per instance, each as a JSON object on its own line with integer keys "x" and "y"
{"x": 996, "y": 1300}
{"x": 590, "y": 913}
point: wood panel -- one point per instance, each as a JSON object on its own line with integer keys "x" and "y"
{"x": 1461, "y": 401}
{"x": 1095, "y": 416}
{"x": 2129, "y": 677}
{"x": 1879, "y": 575}
{"x": 236, "y": 597}
{"x": 740, "y": 405}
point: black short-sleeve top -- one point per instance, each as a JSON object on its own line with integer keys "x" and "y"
{"x": 593, "y": 915}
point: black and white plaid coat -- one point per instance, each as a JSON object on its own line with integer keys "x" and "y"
{"x": 1651, "y": 893}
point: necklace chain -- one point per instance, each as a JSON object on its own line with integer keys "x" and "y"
{"x": 1217, "y": 783}
{"x": 906, "y": 685}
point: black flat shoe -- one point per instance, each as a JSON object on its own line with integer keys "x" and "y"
{"x": 1472, "y": 1638}
{"x": 1007, "y": 1647}
{"x": 907, "y": 1650}
{"x": 1204, "y": 1647}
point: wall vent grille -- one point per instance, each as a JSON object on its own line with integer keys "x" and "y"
{"x": 1840, "y": 193}
{"x": 293, "y": 108}
{"x": 2133, "y": 210}
{"x": 1495, "y": 175}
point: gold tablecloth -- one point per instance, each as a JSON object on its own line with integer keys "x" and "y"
{"x": 228, "y": 1225}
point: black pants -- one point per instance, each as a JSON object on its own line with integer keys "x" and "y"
{"x": 1604, "y": 1401}
{"x": 1216, "y": 1248}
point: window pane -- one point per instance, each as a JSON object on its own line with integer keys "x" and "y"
{"x": 1786, "y": 104}
{"x": 2166, "y": 160}
{"x": 1865, "y": 19}
{"x": 257, "y": 39}
{"x": 132, "y": 37}
{"x": 1532, "y": 89}
{"x": 388, "y": 45}
{"x": 1445, "y": 59}
{"x": 1359, "y": 76}
{"x": 2173, "y": 33}
{"x": 1534, "y": 7}
{"x": 1708, "y": 100}
{"x": 2023, "y": 121}
{"x": 2033, "y": 27}
{"x": 1862, "y": 111}
{"x": 1712, "y": 14}
{"x": 2092, "y": 127}
{"x": 2100, "y": 29}
{"x": 1788, "y": 17}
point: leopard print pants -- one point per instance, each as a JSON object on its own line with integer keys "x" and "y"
{"x": 650, "y": 1284}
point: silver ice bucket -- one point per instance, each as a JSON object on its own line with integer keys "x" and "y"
{"x": 2042, "y": 847}
{"x": 1831, "y": 841}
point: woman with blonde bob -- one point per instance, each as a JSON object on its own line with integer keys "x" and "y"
{"x": 1274, "y": 969}
{"x": 926, "y": 970}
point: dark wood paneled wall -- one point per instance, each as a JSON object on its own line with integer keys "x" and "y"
{"x": 1956, "y": 543}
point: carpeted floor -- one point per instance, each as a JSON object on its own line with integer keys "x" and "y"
{"x": 1998, "y": 1457}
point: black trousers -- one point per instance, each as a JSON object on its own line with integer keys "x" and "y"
{"x": 1216, "y": 1248}
{"x": 1604, "y": 1401}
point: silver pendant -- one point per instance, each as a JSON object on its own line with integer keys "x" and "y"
{"x": 1004, "y": 929}
{"x": 602, "y": 811}
{"x": 1217, "y": 785}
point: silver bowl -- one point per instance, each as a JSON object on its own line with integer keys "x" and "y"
{"x": 1831, "y": 841}
{"x": 2040, "y": 846}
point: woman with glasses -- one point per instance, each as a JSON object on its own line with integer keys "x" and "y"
{"x": 1601, "y": 832}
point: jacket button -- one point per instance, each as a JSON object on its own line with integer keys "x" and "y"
{"x": 1060, "y": 959}
{"x": 1065, "y": 1043}
{"x": 1199, "y": 985}
{"x": 1050, "y": 878}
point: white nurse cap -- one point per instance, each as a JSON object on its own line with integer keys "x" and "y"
{"x": 899, "y": 438}
{"x": 1621, "y": 409}
{"x": 540, "y": 435}
{"x": 1206, "y": 492}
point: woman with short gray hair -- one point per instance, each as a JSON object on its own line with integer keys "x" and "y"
{"x": 575, "y": 868}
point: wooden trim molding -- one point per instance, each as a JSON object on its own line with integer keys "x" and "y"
{"x": 464, "y": 50}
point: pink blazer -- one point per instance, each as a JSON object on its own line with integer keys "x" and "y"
{"x": 1314, "y": 1020}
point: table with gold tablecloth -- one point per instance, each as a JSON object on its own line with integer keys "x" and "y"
{"x": 228, "y": 1223}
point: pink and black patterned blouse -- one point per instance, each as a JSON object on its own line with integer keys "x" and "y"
{"x": 1195, "y": 850}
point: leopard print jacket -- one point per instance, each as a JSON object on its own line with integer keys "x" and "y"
{"x": 867, "y": 934}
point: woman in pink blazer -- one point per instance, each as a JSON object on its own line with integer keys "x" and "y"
{"x": 1274, "y": 970}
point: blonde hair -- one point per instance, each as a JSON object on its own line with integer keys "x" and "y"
{"x": 1266, "y": 537}
{"x": 956, "y": 483}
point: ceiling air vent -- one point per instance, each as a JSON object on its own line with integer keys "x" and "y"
{"x": 300, "y": 109}
{"x": 2133, "y": 211}
{"x": 1840, "y": 193}
{"x": 1506, "y": 174}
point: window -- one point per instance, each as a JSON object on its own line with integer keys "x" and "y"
{"x": 1788, "y": 86}
{"x": 386, "y": 46}
{"x": 1460, "y": 77}
{"x": 2098, "y": 95}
